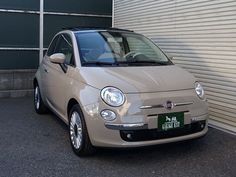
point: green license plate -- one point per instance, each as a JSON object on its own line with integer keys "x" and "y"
{"x": 170, "y": 121}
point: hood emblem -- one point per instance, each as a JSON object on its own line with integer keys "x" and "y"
{"x": 169, "y": 105}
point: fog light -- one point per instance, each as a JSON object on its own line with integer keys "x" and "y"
{"x": 202, "y": 126}
{"x": 108, "y": 115}
{"x": 129, "y": 136}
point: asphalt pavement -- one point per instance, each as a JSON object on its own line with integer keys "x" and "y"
{"x": 34, "y": 145}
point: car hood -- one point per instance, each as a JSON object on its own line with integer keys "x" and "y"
{"x": 138, "y": 79}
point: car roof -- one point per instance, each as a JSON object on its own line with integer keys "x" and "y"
{"x": 89, "y": 29}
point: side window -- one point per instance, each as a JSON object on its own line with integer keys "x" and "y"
{"x": 65, "y": 46}
{"x": 52, "y": 46}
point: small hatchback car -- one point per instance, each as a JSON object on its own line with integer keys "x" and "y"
{"x": 116, "y": 88}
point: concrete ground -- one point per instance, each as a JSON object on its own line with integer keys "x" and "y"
{"x": 32, "y": 145}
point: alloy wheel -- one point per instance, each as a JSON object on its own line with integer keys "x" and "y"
{"x": 76, "y": 130}
{"x": 37, "y": 97}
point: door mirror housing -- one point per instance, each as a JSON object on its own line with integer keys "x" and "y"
{"x": 57, "y": 58}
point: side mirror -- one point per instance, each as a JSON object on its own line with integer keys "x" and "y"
{"x": 57, "y": 58}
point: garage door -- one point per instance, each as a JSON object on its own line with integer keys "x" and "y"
{"x": 200, "y": 35}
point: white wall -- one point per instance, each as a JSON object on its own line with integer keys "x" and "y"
{"x": 201, "y": 35}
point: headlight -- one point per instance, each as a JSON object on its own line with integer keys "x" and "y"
{"x": 112, "y": 96}
{"x": 199, "y": 90}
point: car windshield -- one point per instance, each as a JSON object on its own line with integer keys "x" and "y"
{"x": 109, "y": 48}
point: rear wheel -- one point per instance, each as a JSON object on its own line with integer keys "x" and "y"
{"x": 78, "y": 133}
{"x": 39, "y": 105}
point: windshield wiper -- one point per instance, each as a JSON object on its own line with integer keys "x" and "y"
{"x": 142, "y": 62}
{"x": 116, "y": 63}
{"x": 99, "y": 63}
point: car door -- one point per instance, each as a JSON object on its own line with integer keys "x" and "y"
{"x": 44, "y": 67}
{"x": 58, "y": 75}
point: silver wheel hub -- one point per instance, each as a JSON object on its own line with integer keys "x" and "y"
{"x": 36, "y": 97}
{"x": 76, "y": 130}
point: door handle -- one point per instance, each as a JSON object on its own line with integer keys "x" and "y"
{"x": 45, "y": 70}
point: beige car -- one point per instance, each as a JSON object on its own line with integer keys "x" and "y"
{"x": 116, "y": 88}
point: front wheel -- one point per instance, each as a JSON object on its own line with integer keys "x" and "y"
{"x": 78, "y": 133}
{"x": 39, "y": 105}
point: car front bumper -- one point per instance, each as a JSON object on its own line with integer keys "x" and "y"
{"x": 135, "y": 126}
{"x": 104, "y": 134}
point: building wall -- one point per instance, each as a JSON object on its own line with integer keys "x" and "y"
{"x": 200, "y": 35}
{"x": 20, "y": 35}
{"x": 19, "y": 32}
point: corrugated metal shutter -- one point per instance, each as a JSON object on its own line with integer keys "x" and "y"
{"x": 200, "y": 35}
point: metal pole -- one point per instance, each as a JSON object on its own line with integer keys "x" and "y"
{"x": 41, "y": 30}
{"x": 113, "y": 12}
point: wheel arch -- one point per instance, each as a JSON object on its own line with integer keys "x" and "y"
{"x": 35, "y": 82}
{"x": 70, "y": 104}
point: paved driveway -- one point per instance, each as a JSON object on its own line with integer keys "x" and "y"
{"x": 33, "y": 145}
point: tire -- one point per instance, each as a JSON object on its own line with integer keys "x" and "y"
{"x": 39, "y": 105}
{"x": 78, "y": 134}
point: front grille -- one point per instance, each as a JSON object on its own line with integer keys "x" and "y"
{"x": 155, "y": 134}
